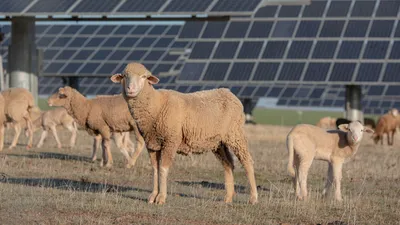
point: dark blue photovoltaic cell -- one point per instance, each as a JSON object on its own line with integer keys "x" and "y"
{"x": 202, "y": 50}
{"x": 275, "y": 92}
{"x": 112, "y": 42}
{"x": 274, "y": 49}
{"x": 266, "y": 11}
{"x": 303, "y": 92}
{"x": 260, "y": 29}
{"x": 163, "y": 42}
{"x": 363, "y": 8}
{"x": 235, "y": 5}
{"x": 191, "y": 29}
{"x": 95, "y": 42}
{"x": 376, "y": 90}
{"x": 226, "y": 50}
{"x": 293, "y": 102}
{"x": 241, "y": 71}
{"x": 395, "y": 54}
{"x": 71, "y": 68}
{"x": 71, "y": 30}
{"x": 338, "y": 9}
{"x": 381, "y": 28}
{"x": 161, "y": 68}
{"x": 317, "y": 72}
{"x": 332, "y": 28}
{"x": 237, "y": 29}
{"x": 194, "y": 89}
{"x": 141, "y": 6}
{"x": 299, "y": 49}
{"x": 89, "y": 29}
{"x": 182, "y": 88}
{"x": 55, "y": 29}
{"x": 315, "y": 9}
{"x": 107, "y": 68}
{"x": 281, "y": 101}
{"x": 124, "y": 29}
{"x": 235, "y": 90}
{"x": 392, "y": 72}
{"x": 146, "y": 42}
{"x": 393, "y": 90}
{"x": 13, "y": 5}
{"x": 61, "y": 42}
{"x": 350, "y": 50}
{"x": 317, "y": 93}
{"x": 157, "y": 30}
{"x": 325, "y": 49}
{"x": 376, "y": 49}
{"x": 101, "y": 54}
{"x": 83, "y": 54}
{"x": 250, "y": 50}
{"x": 40, "y": 29}
{"x": 51, "y": 6}
{"x": 54, "y": 67}
{"x": 369, "y": 72}
{"x": 291, "y": 71}
{"x": 342, "y": 72}
{"x": 289, "y": 11}
{"x": 356, "y": 28}
{"x": 136, "y": 55}
{"x": 266, "y": 71}
{"x": 288, "y": 92}
{"x": 95, "y": 6}
{"x": 387, "y": 104}
{"x": 187, "y": 6}
{"x": 44, "y": 41}
{"x": 327, "y": 102}
{"x": 169, "y": 57}
{"x": 49, "y": 54}
{"x": 305, "y": 102}
{"x": 214, "y": 29}
{"x": 174, "y": 30}
{"x": 118, "y": 55}
{"x": 154, "y": 55}
{"x": 388, "y": 8}
{"x": 129, "y": 42}
{"x": 141, "y": 29}
{"x": 66, "y": 54}
{"x": 308, "y": 29}
{"x": 180, "y": 44}
{"x": 89, "y": 68}
{"x": 216, "y": 71}
{"x": 284, "y": 29}
{"x": 261, "y": 92}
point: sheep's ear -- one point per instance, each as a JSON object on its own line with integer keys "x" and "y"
{"x": 153, "y": 80}
{"x": 368, "y": 130}
{"x": 61, "y": 91}
{"x": 344, "y": 127}
{"x": 117, "y": 78}
{"x": 394, "y": 112}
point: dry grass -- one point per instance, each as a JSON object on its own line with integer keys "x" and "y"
{"x": 51, "y": 186}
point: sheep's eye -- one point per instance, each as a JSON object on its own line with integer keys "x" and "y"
{"x": 143, "y": 76}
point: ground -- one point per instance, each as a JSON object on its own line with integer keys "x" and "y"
{"x": 52, "y": 186}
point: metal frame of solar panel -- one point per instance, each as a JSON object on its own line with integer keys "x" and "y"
{"x": 325, "y": 42}
{"x": 127, "y": 7}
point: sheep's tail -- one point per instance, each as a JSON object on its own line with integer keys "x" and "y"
{"x": 290, "y": 167}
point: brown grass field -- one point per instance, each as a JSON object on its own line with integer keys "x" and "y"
{"x": 52, "y": 186}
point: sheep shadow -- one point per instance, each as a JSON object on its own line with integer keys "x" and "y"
{"x": 218, "y": 186}
{"x": 53, "y": 155}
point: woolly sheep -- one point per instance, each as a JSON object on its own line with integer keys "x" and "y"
{"x": 100, "y": 116}
{"x": 173, "y": 122}
{"x": 49, "y": 120}
{"x": 387, "y": 124}
{"x": 306, "y": 143}
{"x": 18, "y": 104}
{"x": 326, "y": 122}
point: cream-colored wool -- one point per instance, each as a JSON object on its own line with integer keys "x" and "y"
{"x": 327, "y": 123}
{"x": 387, "y": 124}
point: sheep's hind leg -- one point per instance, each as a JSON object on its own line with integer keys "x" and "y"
{"x": 225, "y": 157}
{"x": 73, "y": 131}
{"x": 295, "y": 179}
{"x": 107, "y": 157}
{"x": 121, "y": 146}
{"x": 337, "y": 176}
{"x": 30, "y": 131}
{"x": 237, "y": 143}
{"x": 42, "y": 137}
{"x": 329, "y": 181}
{"x": 304, "y": 166}
{"x": 96, "y": 145}
{"x": 139, "y": 147}
{"x": 155, "y": 157}
{"x": 17, "y": 132}
{"x": 54, "y": 132}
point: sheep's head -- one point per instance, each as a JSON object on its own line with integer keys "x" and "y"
{"x": 61, "y": 97}
{"x": 134, "y": 77}
{"x": 394, "y": 112}
{"x": 355, "y": 131}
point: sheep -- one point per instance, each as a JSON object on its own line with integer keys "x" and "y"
{"x": 19, "y": 103}
{"x": 49, "y": 120}
{"x": 100, "y": 116}
{"x": 120, "y": 138}
{"x": 172, "y": 122}
{"x": 387, "y": 124}
{"x": 306, "y": 143}
{"x": 2, "y": 121}
{"x": 326, "y": 122}
{"x": 368, "y": 122}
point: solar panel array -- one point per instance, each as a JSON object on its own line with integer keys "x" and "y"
{"x": 126, "y": 7}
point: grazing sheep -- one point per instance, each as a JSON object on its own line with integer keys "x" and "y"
{"x": 306, "y": 143}
{"x": 2, "y": 121}
{"x": 368, "y": 122}
{"x": 100, "y": 116}
{"x": 326, "y": 122}
{"x": 49, "y": 120}
{"x": 19, "y": 103}
{"x": 387, "y": 124}
{"x": 173, "y": 122}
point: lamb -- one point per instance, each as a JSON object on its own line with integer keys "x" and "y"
{"x": 100, "y": 116}
{"x": 306, "y": 143}
{"x": 387, "y": 124}
{"x": 19, "y": 103}
{"x": 49, "y": 120}
{"x": 172, "y": 122}
{"x": 120, "y": 138}
{"x": 326, "y": 122}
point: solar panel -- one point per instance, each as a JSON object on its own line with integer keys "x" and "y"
{"x": 308, "y": 29}
{"x": 363, "y": 8}
{"x": 388, "y": 8}
{"x": 317, "y": 72}
{"x": 299, "y": 49}
{"x": 266, "y": 11}
{"x": 235, "y": 5}
{"x": 250, "y": 50}
{"x": 284, "y": 29}
{"x": 214, "y": 30}
{"x": 260, "y": 29}
{"x": 289, "y": 11}
{"x": 237, "y": 29}
{"x": 392, "y": 72}
{"x": 266, "y": 71}
{"x": 191, "y": 29}
{"x": 291, "y": 71}
{"x": 338, "y": 8}
{"x": 381, "y": 28}
{"x": 187, "y": 6}
{"x": 332, "y": 28}
{"x": 274, "y": 49}
{"x": 376, "y": 49}
{"x": 356, "y": 28}
{"x": 315, "y": 9}
{"x": 216, "y": 71}
{"x": 226, "y": 50}
{"x": 369, "y": 72}
{"x": 350, "y": 50}
{"x": 95, "y": 6}
{"x": 202, "y": 50}
{"x": 342, "y": 71}
{"x": 14, "y": 5}
{"x": 324, "y": 49}
{"x": 241, "y": 71}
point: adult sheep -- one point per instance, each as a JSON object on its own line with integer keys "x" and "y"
{"x": 326, "y": 122}
{"x": 100, "y": 116}
{"x": 306, "y": 143}
{"x": 19, "y": 103}
{"x": 172, "y": 122}
{"x": 387, "y": 124}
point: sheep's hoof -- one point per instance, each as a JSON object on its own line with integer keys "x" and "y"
{"x": 108, "y": 165}
{"x": 28, "y": 147}
{"x": 11, "y": 147}
{"x": 340, "y": 199}
{"x": 94, "y": 158}
{"x": 160, "y": 200}
{"x": 228, "y": 199}
{"x": 59, "y": 147}
{"x": 253, "y": 200}
{"x": 152, "y": 197}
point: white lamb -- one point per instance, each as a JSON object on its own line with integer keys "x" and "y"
{"x": 307, "y": 142}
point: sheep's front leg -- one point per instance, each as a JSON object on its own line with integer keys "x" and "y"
{"x": 107, "y": 157}
{"x": 42, "y": 138}
{"x": 337, "y": 177}
{"x": 329, "y": 180}
{"x": 155, "y": 157}
{"x": 30, "y": 130}
{"x": 167, "y": 156}
{"x": 54, "y": 132}
{"x": 96, "y": 145}
{"x": 17, "y": 130}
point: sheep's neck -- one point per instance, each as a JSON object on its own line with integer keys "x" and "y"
{"x": 351, "y": 149}
{"x": 78, "y": 108}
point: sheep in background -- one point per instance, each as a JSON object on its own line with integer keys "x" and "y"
{"x": 387, "y": 124}
{"x": 19, "y": 103}
{"x": 326, "y": 122}
{"x": 101, "y": 116}
{"x": 2, "y": 121}
{"x": 306, "y": 143}
{"x": 173, "y": 122}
